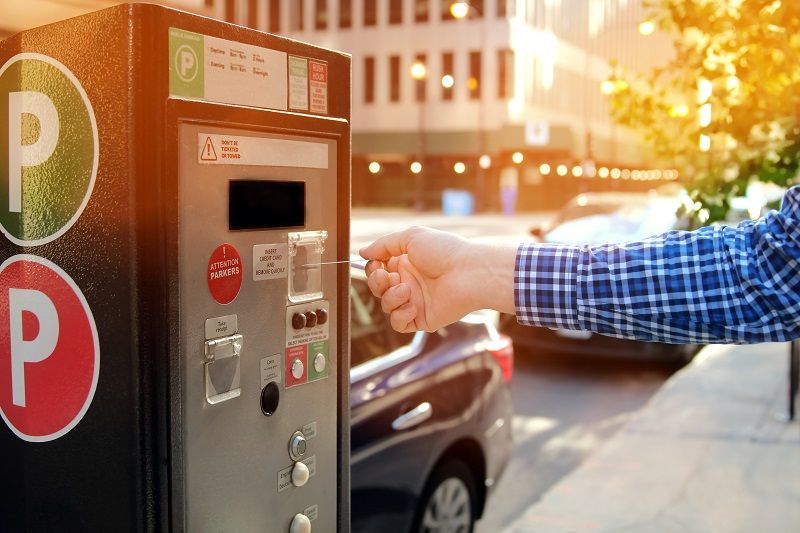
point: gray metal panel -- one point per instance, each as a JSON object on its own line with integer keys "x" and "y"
{"x": 232, "y": 452}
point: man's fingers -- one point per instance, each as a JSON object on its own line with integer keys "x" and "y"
{"x": 388, "y": 246}
{"x": 378, "y": 282}
{"x": 392, "y": 264}
{"x": 394, "y": 278}
{"x": 395, "y": 297}
{"x": 372, "y": 266}
{"x": 402, "y": 318}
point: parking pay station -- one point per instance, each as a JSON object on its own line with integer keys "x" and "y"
{"x": 172, "y": 355}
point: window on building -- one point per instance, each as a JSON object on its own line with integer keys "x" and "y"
{"x": 421, "y": 85}
{"x": 370, "y": 12}
{"x": 475, "y": 9}
{"x": 508, "y": 8}
{"x": 395, "y": 11}
{"x": 394, "y": 78}
{"x": 252, "y": 13}
{"x": 369, "y": 79}
{"x": 505, "y": 74}
{"x": 296, "y": 15}
{"x": 447, "y": 76}
{"x": 321, "y": 15}
{"x": 421, "y": 10}
{"x": 475, "y": 81}
{"x": 446, "y": 14}
{"x": 274, "y": 16}
{"x": 345, "y": 13}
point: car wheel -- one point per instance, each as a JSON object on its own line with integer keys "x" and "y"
{"x": 448, "y": 502}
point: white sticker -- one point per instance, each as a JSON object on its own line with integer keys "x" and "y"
{"x": 298, "y": 83}
{"x": 312, "y": 512}
{"x": 221, "y": 326}
{"x": 213, "y": 149}
{"x": 310, "y": 430}
{"x": 311, "y": 463}
{"x": 269, "y": 261}
{"x": 271, "y": 370}
{"x": 218, "y": 70}
{"x": 285, "y": 478}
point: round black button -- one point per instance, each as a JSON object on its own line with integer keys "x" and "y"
{"x": 270, "y": 397}
{"x": 311, "y": 319}
{"x": 322, "y": 316}
{"x": 298, "y": 321}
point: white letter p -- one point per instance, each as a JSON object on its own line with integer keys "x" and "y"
{"x": 29, "y": 155}
{"x": 32, "y": 351}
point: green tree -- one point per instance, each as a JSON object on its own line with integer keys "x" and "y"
{"x": 733, "y": 85}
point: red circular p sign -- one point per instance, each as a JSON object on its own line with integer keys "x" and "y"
{"x": 224, "y": 273}
{"x": 49, "y": 349}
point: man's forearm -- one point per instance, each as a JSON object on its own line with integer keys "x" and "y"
{"x": 717, "y": 284}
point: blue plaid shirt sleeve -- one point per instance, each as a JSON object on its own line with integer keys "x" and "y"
{"x": 717, "y": 284}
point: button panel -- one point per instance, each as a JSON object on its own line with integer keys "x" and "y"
{"x": 307, "y": 355}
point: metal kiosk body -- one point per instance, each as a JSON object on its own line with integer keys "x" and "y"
{"x": 172, "y": 356}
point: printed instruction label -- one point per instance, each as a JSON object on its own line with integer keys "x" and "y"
{"x": 318, "y": 85}
{"x": 217, "y": 70}
{"x": 311, "y": 463}
{"x": 310, "y": 430}
{"x": 214, "y": 149}
{"x": 271, "y": 370}
{"x": 298, "y": 83}
{"x": 312, "y": 512}
{"x": 269, "y": 261}
{"x": 285, "y": 478}
{"x": 222, "y": 326}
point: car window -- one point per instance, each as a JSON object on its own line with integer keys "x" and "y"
{"x": 371, "y": 335}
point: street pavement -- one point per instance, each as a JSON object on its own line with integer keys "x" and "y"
{"x": 565, "y": 408}
{"x": 711, "y": 451}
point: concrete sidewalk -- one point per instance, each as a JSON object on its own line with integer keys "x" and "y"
{"x": 710, "y": 452}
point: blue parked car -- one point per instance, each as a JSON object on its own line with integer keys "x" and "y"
{"x": 430, "y": 419}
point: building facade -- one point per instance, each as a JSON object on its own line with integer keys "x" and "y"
{"x": 509, "y": 97}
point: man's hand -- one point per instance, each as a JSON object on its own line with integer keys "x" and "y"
{"x": 427, "y": 279}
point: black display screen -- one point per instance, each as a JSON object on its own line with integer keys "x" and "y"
{"x": 255, "y": 204}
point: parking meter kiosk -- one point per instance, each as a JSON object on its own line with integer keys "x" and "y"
{"x": 172, "y": 355}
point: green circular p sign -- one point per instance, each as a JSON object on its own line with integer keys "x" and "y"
{"x": 49, "y": 149}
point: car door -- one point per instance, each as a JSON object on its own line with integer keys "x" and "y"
{"x": 384, "y": 472}
{"x": 410, "y": 396}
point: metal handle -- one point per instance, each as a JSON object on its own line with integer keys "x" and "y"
{"x": 414, "y": 417}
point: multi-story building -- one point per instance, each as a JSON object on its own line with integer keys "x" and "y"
{"x": 513, "y": 80}
{"x": 509, "y": 94}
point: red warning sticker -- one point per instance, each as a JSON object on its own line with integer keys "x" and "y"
{"x": 318, "y": 85}
{"x": 224, "y": 273}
